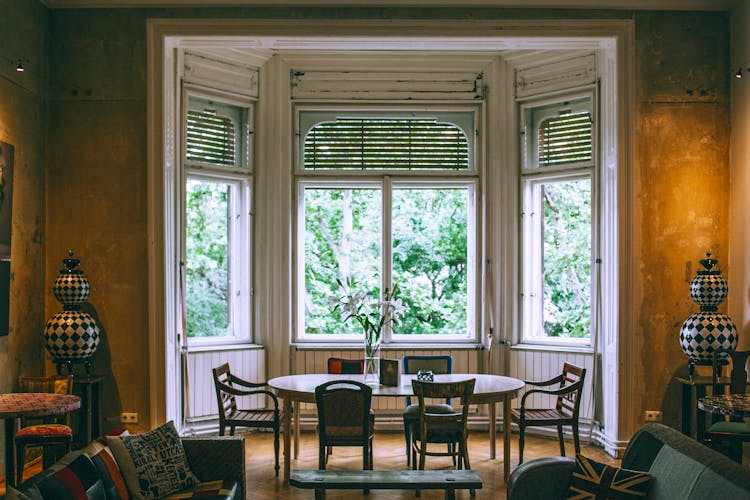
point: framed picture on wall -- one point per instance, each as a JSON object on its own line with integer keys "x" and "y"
{"x": 6, "y": 221}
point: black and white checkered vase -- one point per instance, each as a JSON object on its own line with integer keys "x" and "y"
{"x": 71, "y": 335}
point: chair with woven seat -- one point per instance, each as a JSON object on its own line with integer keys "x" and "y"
{"x": 441, "y": 427}
{"x": 344, "y": 418}
{"x": 54, "y": 436}
{"x": 228, "y": 387}
{"x": 565, "y": 412}
{"x": 438, "y": 365}
{"x": 727, "y": 435}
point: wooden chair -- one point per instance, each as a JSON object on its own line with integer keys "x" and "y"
{"x": 565, "y": 411}
{"x": 54, "y": 436}
{"x": 728, "y": 435}
{"x": 344, "y": 418}
{"x": 441, "y": 427}
{"x": 228, "y": 387}
{"x": 438, "y": 365}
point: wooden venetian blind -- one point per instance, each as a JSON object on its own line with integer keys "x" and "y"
{"x": 565, "y": 139}
{"x": 386, "y": 144}
{"x": 210, "y": 138}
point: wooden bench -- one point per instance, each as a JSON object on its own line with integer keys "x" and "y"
{"x": 448, "y": 480}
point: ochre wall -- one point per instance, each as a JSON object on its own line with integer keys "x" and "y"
{"x": 96, "y": 177}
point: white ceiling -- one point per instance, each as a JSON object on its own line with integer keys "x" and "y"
{"x": 575, "y": 4}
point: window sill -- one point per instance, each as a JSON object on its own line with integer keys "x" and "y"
{"x": 583, "y": 349}
{"x": 305, "y": 346}
{"x": 233, "y": 346}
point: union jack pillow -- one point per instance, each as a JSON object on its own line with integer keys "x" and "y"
{"x": 596, "y": 481}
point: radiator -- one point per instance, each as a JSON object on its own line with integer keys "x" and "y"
{"x": 247, "y": 363}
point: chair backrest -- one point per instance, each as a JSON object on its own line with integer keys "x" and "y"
{"x": 55, "y": 384}
{"x": 572, "y": 377}
{"x": 343, "y": 411}
{"x": 737, "y": 373}
{"x": 227, "y": 402}
{"x": 439, "y": 365}
{"x": 443, "y": 421}
{"x": 341, "y": 366}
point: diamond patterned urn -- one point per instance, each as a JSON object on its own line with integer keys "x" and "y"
{"x": 707, "y": 330}
{"x": 72, "y": 335}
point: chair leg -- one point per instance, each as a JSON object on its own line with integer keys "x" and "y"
{"x": 560, "y": 438}
{"x": 222, "y": 429}
{"x": 231, "y": 430}
{"x": 576, "y": 440}
{"x": 521, "y": 429}
{"x": 20, "y": 462}
{"x": 407, "y": 440}
{"x": 322, "y": 458}
{"x": 276, "y": 449}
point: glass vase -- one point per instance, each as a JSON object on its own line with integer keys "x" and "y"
{"x": 372, "y": 363}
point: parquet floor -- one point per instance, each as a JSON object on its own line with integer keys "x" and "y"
{"x": 389, "y": 455}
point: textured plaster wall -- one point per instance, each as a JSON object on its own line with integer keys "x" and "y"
{"x": 96, "y": 176}
{"x": 681, "y": 177}
{"x": 23, "y": 25}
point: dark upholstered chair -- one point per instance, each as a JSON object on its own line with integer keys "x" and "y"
{"x": 51, "y": 433}
{"x": 438, "y": 365}
{"x": 728, "y": 435}
{"x": 342, "y": 366}
{"x": 441, "y": 427}
{"x": 228, "y": 387}
{"x": 565, "y": 411}
{"x": 344, "y": 418}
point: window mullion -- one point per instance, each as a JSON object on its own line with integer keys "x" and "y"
{"x": 387, "y": 242}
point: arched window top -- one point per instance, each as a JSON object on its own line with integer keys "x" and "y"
{"x": 565, "y": 139}
{"x": 387, "y": 143}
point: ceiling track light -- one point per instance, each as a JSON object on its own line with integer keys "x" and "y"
{"x": 19, "y": 66}
{"x": 738, "y": 74}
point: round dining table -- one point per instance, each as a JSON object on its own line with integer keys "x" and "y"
{"x": 15, "y": 405}
{"x": 488, "y": 389}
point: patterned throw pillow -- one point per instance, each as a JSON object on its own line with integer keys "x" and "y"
{"x": 104, "y": 461}
{"x": 73, "y": 476}
{"x": 594, "y": 481}
{"x": 153, "y": 464}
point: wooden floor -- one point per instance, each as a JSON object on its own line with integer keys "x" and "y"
{"x": 389, "y": 455}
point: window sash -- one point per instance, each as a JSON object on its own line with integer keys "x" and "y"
{"x": 387, "y": 186}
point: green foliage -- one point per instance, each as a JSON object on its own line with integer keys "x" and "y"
{"x": 206, "y": 262}
{"x": 342, "y": 241}
{"x": 567, "y": 258}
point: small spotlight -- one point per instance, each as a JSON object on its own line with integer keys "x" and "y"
{"x": 20, "y": 67}
{"x": 739, "y": 73}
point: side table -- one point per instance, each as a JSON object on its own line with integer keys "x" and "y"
{"x": 89, "y": 388}
{"x": 693, "y": 420}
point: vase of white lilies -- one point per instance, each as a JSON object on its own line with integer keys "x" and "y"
{"x": 372, "y": 315}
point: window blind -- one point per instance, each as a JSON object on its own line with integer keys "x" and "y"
{"x": 210, "y": 138}
{"x": 386, "y": 144}
{"x": 565, "y": 139}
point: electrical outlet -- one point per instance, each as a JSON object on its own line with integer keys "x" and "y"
{"x": 653, "y": 416}
{"x": 129, "y": 418}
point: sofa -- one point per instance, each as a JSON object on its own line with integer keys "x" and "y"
{"x": 218, "y": 463}
{"x": 680, "y": 468}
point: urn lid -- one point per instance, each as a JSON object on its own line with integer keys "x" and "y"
{"x": 709, "y": 264}
{"x": 70, "y": 263}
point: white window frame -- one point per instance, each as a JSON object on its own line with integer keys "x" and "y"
{"x": 240, "y": 180}
{"x": 531, "y": 239}
{"x": 387, "y": 180}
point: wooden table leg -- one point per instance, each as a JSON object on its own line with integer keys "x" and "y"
{"x": 287, "y": 437}
{"x": 296, "y": 429}
{"x": 10, "y": 452}
{"x": 506, "y": 437}
{"x": 493, "y": 430}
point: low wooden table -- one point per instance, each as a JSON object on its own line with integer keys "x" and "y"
{"x": 15, "y": 405}
{"x": 447, "y": 480}
{"x": 693, "y": 390}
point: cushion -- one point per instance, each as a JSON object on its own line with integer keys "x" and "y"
{"x": 122, "y": 431}
{"x": 104, "y": 461}
{"x": 72, "y": 477}
{"x": 211, "y": 490}
{"x": 153, "y": 464}
{"x": 722, "y": 426}
{"x": 44, "y": 430}
{"x": 594, "y": 480}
